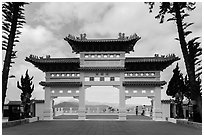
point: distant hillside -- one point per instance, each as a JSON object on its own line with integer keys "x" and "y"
{"x": 67, "y": 104}
{"x": 76, "y": 105}
{"x": 94, "y": 107}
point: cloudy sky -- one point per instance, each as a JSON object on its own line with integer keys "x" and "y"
{"x": 48, "y": 23}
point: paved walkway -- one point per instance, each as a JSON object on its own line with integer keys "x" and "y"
{"x": 129, "y": 117}
{"x": 99, "y": 127}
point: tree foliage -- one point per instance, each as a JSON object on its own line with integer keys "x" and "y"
{"x": 176, "y": 89}
{"x": 12, "y": 21}
{"x": 27, "y": 88}
{"x": 191, "y": 49}
{"x": 176, "y": 83}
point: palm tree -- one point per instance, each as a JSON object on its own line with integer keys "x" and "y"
{"x": 13, "y": 20}
{"x": 191, "y": 49}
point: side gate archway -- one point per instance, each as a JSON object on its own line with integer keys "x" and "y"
{"x": 102, "y": 62}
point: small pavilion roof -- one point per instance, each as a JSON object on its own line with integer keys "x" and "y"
{"x": 14, "y": 103}
{"x": 72, "y": 84}
{"x": 167, "y": 101}
{"x": 83, "y": 44}
{"x": 144, "y": 83}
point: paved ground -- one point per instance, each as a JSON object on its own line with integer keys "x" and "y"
{"x": 131, "y": 117}
{"x": 100, "y": 127}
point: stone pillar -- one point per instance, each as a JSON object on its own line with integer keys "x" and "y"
{"x": 122, "y": 107}
{"x": 174, "y": 110}
{"x": 55, "y": 112}
{"x": 48, "y": 111}
{"x": 88, "y": 110}
{"x": 70, "y": 110}
{"x": 97, "y": 110}
{"x": 62, "y": 111}
{"x": 157, "y": 111}
{"x": 82, "y": 109}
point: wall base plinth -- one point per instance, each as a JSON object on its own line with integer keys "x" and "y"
{"x": 81, "y": 114}
{"x": 157, "y": 115}
{"x": 47, "y": 114}
{"x": 122, "y": 115}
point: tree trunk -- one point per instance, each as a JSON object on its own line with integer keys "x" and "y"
{"x": 190, "y": 72}
{"x": 7, "y": 61}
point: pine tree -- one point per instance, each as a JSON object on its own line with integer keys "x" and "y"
{"x": 27, "y": 88}
{"x": 176, "y": 89}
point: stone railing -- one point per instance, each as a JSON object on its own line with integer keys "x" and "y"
{"x": 64, "y": 75}
{"x": 101, "y": 56}
{"x": 140, "y": 74}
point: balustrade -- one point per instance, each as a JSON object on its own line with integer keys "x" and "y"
{"x": 64, "y": 75}
{"x": 140, "y": 74}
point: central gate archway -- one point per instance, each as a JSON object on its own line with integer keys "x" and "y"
{"x": 102, "y": 102}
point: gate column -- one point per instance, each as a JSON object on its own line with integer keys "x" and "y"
{"x": 48, "y": 112}
{"x": 82, "y": 109}
{"x": 122, "y": 107}
{"x": 157, "y": 111}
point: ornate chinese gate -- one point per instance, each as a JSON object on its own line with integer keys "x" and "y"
{"x": 102, "y": 62}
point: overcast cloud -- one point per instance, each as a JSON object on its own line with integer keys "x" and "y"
{"x": 48, "y": 23}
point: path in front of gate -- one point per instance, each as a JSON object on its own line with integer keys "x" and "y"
{"x": 100, "y": 127}
{"x": 107, "y": 116}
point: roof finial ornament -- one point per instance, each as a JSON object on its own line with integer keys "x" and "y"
{"x": 70, "y": 36}
{"x": 156, "y": 55}
{"x": 47, "y": 56}
{"x": 83, "y": 36}
{"x": 121, "y": 35}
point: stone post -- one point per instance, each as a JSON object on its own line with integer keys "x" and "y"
{"x": 122, "y": 107}
{"x": 157, "y": 111}
{"x": 48, "y": 111}
{"x": 97, "y": 110}
{"x": 82, "y": 109}
{"x": 70, "y": 110}
{"x": 55, "y": 112}
{"x": 62, "y": 111}
{"x": 88, "y": 110}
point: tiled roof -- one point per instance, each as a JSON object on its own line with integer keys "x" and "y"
{"x": 73, "y": 64}
{"x": 76, "y": 60}
{"x": 83, "y": 44}
{"x": 14, "y": 103}
{"x": 84, "y": 40}
{"x": 38, "y": 101}
{"x": 73, "y": 84}
{"x": 167, "y": 101}
{"x": 144, "y": 83}
{"x": 99, "y": 40}
{"x": 150, "y": 59}
{"x": 51, "y": 60}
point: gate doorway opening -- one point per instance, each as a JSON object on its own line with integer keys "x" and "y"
{"x": 139, "y": 108}
{"x": 65, "y": 108}
{"x": 102, "y": 102}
